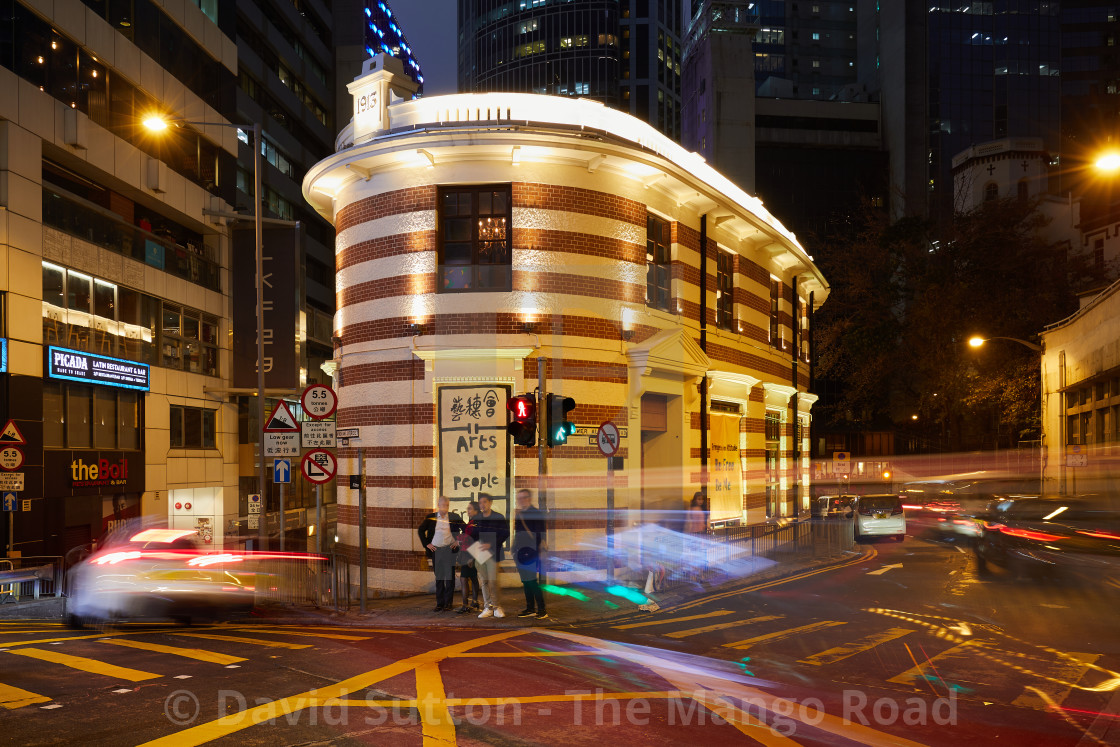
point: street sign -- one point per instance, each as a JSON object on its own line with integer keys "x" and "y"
{"x": 11, "y": 481}
{"x": 318, "y": 434}
{"x": 26, "y": 504}
{"x": 607, "y": 439}
{"x": 281, "y": 470}
{"x": 319, "y": 401}
{"x": 10, "y": 502}
{"x": 281, "y": 420}
{"x": 11, "y": 458}
{"x": 281, "y": 445}
{"x": 254, "y": 503}
{"x": 1077, "y": 460}
{"x": 347, "y": 433}
{"x": 319, "y": 466}
{"x": 254, "y": 521}
{"x": 841, "y": 461}
{"x": 355, "y": 482}
{"x": 11, "y": 434}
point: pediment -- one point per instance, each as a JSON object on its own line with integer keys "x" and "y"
{"x": 670, "y": 351}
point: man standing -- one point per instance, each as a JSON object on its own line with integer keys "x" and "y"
{"x": 439, "y": 534}
{"x": 528, "y": 541}
{"x": 491, "y": 529}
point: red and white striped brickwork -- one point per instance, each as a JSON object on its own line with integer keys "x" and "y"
{"x": 578, "y": 301}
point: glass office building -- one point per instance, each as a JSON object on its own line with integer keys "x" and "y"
{"x": 384, "y": 36}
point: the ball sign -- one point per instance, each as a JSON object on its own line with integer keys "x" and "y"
{"x": 319, "y": 466}
{"x": 319, "y": 401}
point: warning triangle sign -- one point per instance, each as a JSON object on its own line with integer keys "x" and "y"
{"x": 281, "y": 420}
{"x": 11, "y": 434}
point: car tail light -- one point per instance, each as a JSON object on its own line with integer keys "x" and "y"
{"x": 1030, "y": 534}
{"x": 1100, "y": 533}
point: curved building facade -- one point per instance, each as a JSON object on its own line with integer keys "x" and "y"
{"x": 568, "y": 50}
{"x": 491, "y": 244}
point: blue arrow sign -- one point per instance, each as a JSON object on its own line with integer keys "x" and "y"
{"x": 281, "y": 470}
{"x": 10, "y": 502}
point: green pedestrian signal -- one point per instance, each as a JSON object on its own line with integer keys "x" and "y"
{"x": 557, "y": 419}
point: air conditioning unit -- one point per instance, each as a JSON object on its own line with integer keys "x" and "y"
{"x": 156, "y": 174}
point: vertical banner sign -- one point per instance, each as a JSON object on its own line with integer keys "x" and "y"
{"x": 281, "y": 263}
{"x": 473, "y": 444}
{"x": 725, "y": 492}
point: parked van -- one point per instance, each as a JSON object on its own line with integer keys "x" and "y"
{"x": 880, "y": 515}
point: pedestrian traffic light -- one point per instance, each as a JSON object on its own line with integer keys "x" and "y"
{"x": 523, "y": 419}
{"x": 557, "y": 419}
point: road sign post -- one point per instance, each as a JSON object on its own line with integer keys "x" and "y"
{"x": 280, "y": 439}
{"x": 281, "y": 471}
{"x": 608, "y": 442}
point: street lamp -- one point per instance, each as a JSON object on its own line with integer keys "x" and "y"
{"x": 1108, "y": 162}
{"x": 979, "y": 342}
{"x": 156, "y": 123}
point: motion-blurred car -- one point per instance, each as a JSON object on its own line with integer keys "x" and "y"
{"x": 1035, "y": 536}
{"x": 156, "y": 573}
{"x": 880, "y": 515}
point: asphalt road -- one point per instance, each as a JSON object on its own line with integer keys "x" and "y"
{"x": 906, "y": 646}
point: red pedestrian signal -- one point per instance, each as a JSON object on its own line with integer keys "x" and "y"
{"x": 523, "y": 419}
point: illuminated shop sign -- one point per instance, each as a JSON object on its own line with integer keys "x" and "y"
{"x": 74, "y": 365}
{"x": 3, "y": 354}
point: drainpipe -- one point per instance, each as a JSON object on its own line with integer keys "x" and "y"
{"x": 704, "y": 347}
{"x": 796, "y": 412}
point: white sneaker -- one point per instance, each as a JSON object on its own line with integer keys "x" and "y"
{"x": 490, "y": 613}
{"x": 499, "y": 612}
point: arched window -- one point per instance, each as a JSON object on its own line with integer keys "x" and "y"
{"x": 991, "y": 192}
{"x": 1022, "y": 190}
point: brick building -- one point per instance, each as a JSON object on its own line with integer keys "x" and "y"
{"x": 481, "y": 236}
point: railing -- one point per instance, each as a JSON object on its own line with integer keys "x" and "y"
{"x": 31, "y": 576}
{"x": 314, "y": 581}
{"x": 73, "y": 216}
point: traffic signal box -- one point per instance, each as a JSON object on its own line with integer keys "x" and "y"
{"x": 558, "y": 427}
{"x": 523, "y": 419}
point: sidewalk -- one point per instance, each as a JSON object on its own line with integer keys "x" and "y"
{"x": 568, "y": 605}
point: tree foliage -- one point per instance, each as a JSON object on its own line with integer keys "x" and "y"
{"x": 892, "y": 338}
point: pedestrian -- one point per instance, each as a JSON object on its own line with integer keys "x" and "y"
{"x": 491, "y": 530}
{"x": 528, "y": 542}
{"x": 439, "y": 534}
{"x": 696, "y": 519}
{"x": 468, "y": 572}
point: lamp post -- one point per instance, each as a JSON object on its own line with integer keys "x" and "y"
{"x": 977, "y": 342}
{"x": 159, "y": 124}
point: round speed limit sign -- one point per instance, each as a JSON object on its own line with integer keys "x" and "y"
{"x": 319, "y": 401}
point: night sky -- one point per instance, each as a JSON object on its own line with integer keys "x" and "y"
{"x": 429, "y": 26}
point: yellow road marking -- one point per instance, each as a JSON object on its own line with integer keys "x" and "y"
{"x": 742, "y": 720}
{"x": 13, "y": 697}
{"x": 521, "y": 654}
{"x": 14, "y": 632}
{"x": 434, "y": 717}
{"x": 839, "y": 653}
{"x": 114, "y": 634}
{"x": 1054, "y": 693}
{"x": 322, "y": 627}
{"x": 86, "y": 665}
{"x": 235, "y": 722}
{"x": 870, "y": 554}
{"x": 693, "y": 683}
{"x": 916, "y": 674}
{"x": 721, "y": 626}
{"x": 336, "y": 636}
{"x": 664, "y": 620}
{"x": 783, "y": 634}
{"x": 190, "y": 653}
{"x": 250, "y": 641}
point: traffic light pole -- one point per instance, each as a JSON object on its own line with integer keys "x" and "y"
{"x": 542, "y": 461}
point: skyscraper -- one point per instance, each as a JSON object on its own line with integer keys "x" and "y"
{"x": 625, "y": 54}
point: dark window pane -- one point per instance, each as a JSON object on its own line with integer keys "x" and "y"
{"x": 192, "y": 428}
{"x": 208, "y": 429}
{"x": 176, "y": 427}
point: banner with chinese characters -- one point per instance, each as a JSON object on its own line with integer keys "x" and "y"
{"x": 474, "y": 449}
{"x": 725, "y": 491}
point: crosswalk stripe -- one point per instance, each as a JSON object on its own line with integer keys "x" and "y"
{"x": 250, "y": 641}
{"x": 190, "y": 653}
{"x": 721, "y": 626}
{"x": 839, "y": 653}
{"x": 783, "y": 634}
{"x": 13, "y": 697}
{"x": 917, "y": 673}
{"x": 664, "y": 620}
{"x": 336, "y": 636}
{"x": 81, "y": 663}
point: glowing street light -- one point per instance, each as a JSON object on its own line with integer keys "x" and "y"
{"x": 976, "y": 342}
{"x": 1109, "y": 162}
{"x": 156, "y": 123}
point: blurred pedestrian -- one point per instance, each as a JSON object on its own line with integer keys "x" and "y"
{"x": 491, "y": 531}
{"x": 696, "y": 519}
{"x": 439, "y": 534}
{"x": 468, "y": 572}
{"x": 529, "y": 537}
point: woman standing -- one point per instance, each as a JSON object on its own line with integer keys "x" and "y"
{"x": 468, "y": 573}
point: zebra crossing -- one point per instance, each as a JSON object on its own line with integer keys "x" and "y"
{"x": 892, "y": 649}
{"x": 46, "y": 649}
